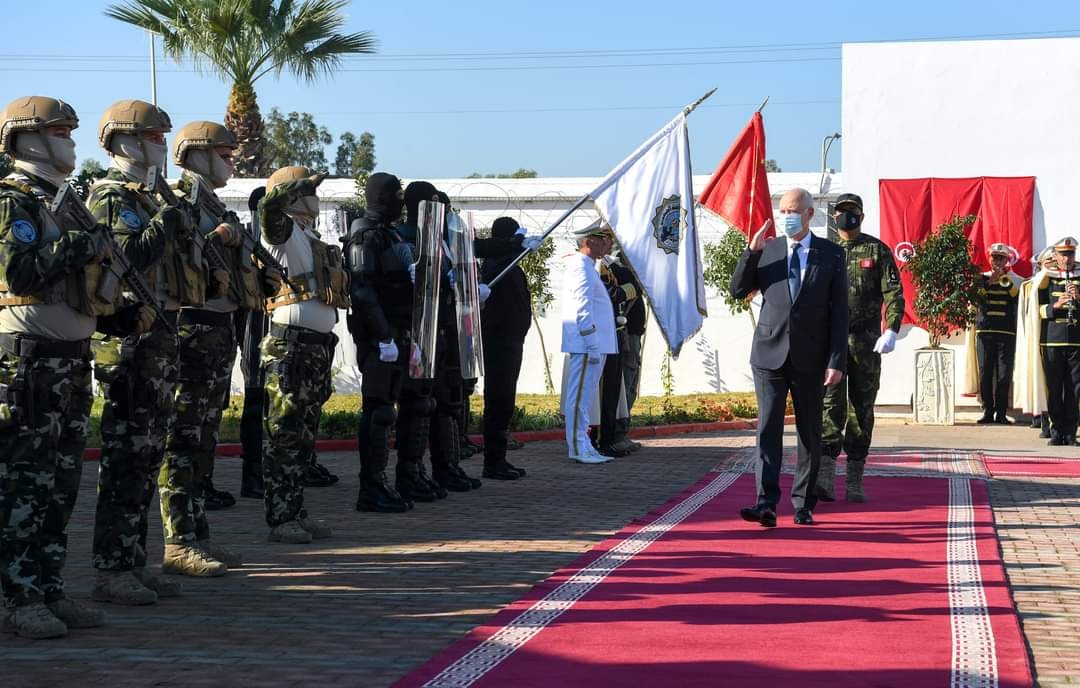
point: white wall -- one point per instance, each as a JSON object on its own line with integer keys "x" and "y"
{"x": 961, "y": 109}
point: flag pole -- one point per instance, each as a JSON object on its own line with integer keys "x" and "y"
{"x": 763, "y": 104}
{"x": 580, "y": 202}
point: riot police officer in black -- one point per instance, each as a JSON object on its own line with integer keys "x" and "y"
{"x": 378, "y": 261}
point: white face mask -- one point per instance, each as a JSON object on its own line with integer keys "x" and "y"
{"x": 791, "y": 224}
{"x": 138, "y": 151}
{"x": 55, "y": 155}
{"x": 209, "y": 165}
{"x": 304, "y": 210}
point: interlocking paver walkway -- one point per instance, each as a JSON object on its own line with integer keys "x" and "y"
{"x": 390, "y": 591}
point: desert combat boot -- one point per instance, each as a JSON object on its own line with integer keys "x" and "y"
{"x": 189, "y": 560}
{"x": 34, "y": 621}
{"x": 121, "y": 587}
{"x": 75, "y": 614}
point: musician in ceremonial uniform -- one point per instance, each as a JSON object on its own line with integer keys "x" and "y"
{"x": 1058, "y": 307}
{"x": 995, "y": 334}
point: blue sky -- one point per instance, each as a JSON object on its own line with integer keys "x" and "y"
{"x": 446, "y": 116}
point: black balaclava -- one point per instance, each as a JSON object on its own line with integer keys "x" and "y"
{"x": 383, "y": 196}
{"x": 504, "y": 228}
{"x": 414, "y": 193}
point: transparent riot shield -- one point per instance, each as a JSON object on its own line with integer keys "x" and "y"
{"x": 470, "y": 347}
{"x": 425, "y": 318}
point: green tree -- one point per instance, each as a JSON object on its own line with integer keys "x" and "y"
{"x": 6, "y": 165}
{"x": 520, "y": 173}
{"x": 772, "y": 166}
{"x": 355, "y": 155}
{"x": 720, "y": 261}
{"x": 948, "y": 285}
{"x": 244, "y": 40}
{"x": 89, "y": 172}
{"x": 295, "y": 140}
{"x": 537, "y": 269}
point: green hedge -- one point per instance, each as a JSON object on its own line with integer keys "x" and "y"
{"x": 532, "y": 412}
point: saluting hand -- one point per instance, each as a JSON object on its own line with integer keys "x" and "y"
{"x": 758, "y": 242}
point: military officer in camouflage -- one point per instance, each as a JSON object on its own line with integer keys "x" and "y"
{"x": 207, "y": 350}
{"x": 138, "y": 373}
{"x": 298, "y": 351}
{"x": 873, "y": 282}
{"x": 49, "y": 302}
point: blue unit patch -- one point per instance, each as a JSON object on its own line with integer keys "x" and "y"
{"x": 130, "y": 218}
{"x": 24, "y": 231}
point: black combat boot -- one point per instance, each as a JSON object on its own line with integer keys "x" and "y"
{"x": 410, "y": 481}
{"x": 376, "y": 494}
{"x": 987, "y": 418}
{"x": 216, "y": 499}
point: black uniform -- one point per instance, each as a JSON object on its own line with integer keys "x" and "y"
{"x": 382, "y": 293}
{"x": 612, "y": 382}
{"x": 505, "y": 319}
{"x": 1061, "y": 361}
{"x": 995, "y": 337}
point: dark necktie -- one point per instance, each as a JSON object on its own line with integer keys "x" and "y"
{"x": 795, "y": 272}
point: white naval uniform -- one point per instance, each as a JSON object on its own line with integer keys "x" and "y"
{"x": 588, "y": 321}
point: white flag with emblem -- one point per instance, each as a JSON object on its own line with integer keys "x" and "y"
{"x": 649, "y": 202}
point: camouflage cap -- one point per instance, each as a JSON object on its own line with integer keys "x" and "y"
{"x": 32, "y": 113}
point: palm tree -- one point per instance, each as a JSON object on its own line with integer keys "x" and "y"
{"x": 242, "y": 41}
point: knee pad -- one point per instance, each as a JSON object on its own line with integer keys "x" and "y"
{"x": 383, "y": 416}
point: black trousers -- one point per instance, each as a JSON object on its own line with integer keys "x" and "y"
{"x": 1062, "y": 367}
{"x": 611, "y": 384}
{"x": 250, "y": 327}
{"x": 502, "y": 366}
{"x": 807, "y": 393}
{"x": 997, "y": 354}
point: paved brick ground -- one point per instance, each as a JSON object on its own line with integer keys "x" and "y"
{"x": 389, "y": 591}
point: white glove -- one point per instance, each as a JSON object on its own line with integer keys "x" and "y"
{"x": 485, "y": 292}
{"x": 531, "y": 243}
{"x": 412, "y": 272}
{"x": 886, "y": 342}
{"x": 388, "y": 352}
{"x": 593, "y": 352}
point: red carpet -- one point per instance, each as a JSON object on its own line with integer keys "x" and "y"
{"x": 885, "y": 594}
{"x": 1035, "y": 466}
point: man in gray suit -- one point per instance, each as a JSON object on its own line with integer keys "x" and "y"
{"x": 800, "y": 345}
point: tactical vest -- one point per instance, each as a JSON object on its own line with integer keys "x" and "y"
{"x": 181, "y": 265}
{"x": 91, "y": 289}
{"x": 245, "y": 282}
{"x": 331, "y": 281}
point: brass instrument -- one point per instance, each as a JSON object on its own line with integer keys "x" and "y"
{"x": 1004, "y": 281}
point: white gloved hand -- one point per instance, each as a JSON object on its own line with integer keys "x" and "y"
{"x": 485, "y": 292}
{"x": 412, "y": 272}
{"x": 531, "y": 243}
{"x": 388, "y": 352}
{"x": 886, "y": 342}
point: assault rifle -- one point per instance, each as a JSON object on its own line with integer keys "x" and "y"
{"x": 250, "y": 239}
{"x": 69, "y": 211}
{"x": 156, "y": 181}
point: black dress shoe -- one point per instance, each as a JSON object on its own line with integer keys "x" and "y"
{"x": 1002, "y": 419}
{"x": 614, "y": 453}
{"x": 987, "y": 419}
{"x": 325, "y": 471}
{"x": 1058, "y": 441}
{"x": 1044, "y": 435}
{"x": 313, "y": 477}
{"x": 215, "y": 499}
{"x": 1036, "y": 422}
{"x": 759, "y": 513}
{"x": 500, "y": 471}
{"x": 520, "y": 471}
{"x": 803, "y": 517}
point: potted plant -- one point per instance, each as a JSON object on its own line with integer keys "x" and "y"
{"x": 947, "y": 291}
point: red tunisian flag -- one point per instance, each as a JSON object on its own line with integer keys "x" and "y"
{"x": 1004, "y": 206}
{"x": 739, "y": 189}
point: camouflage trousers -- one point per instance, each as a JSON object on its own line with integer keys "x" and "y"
{"x": 848, "y": 420}
{"x": 207, "y": 353}
{"x": 43, "y": 428}
{"x": 297, "y": 385}
{"x": 138, "y": 375}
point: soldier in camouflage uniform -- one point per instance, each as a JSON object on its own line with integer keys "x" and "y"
{"x": 298, "y": 351}
{"x": 138, "y": 373}
{"x": 48, "y": 306}
{"x": 873, "y": 281}
{"x": 207, "y": 346}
